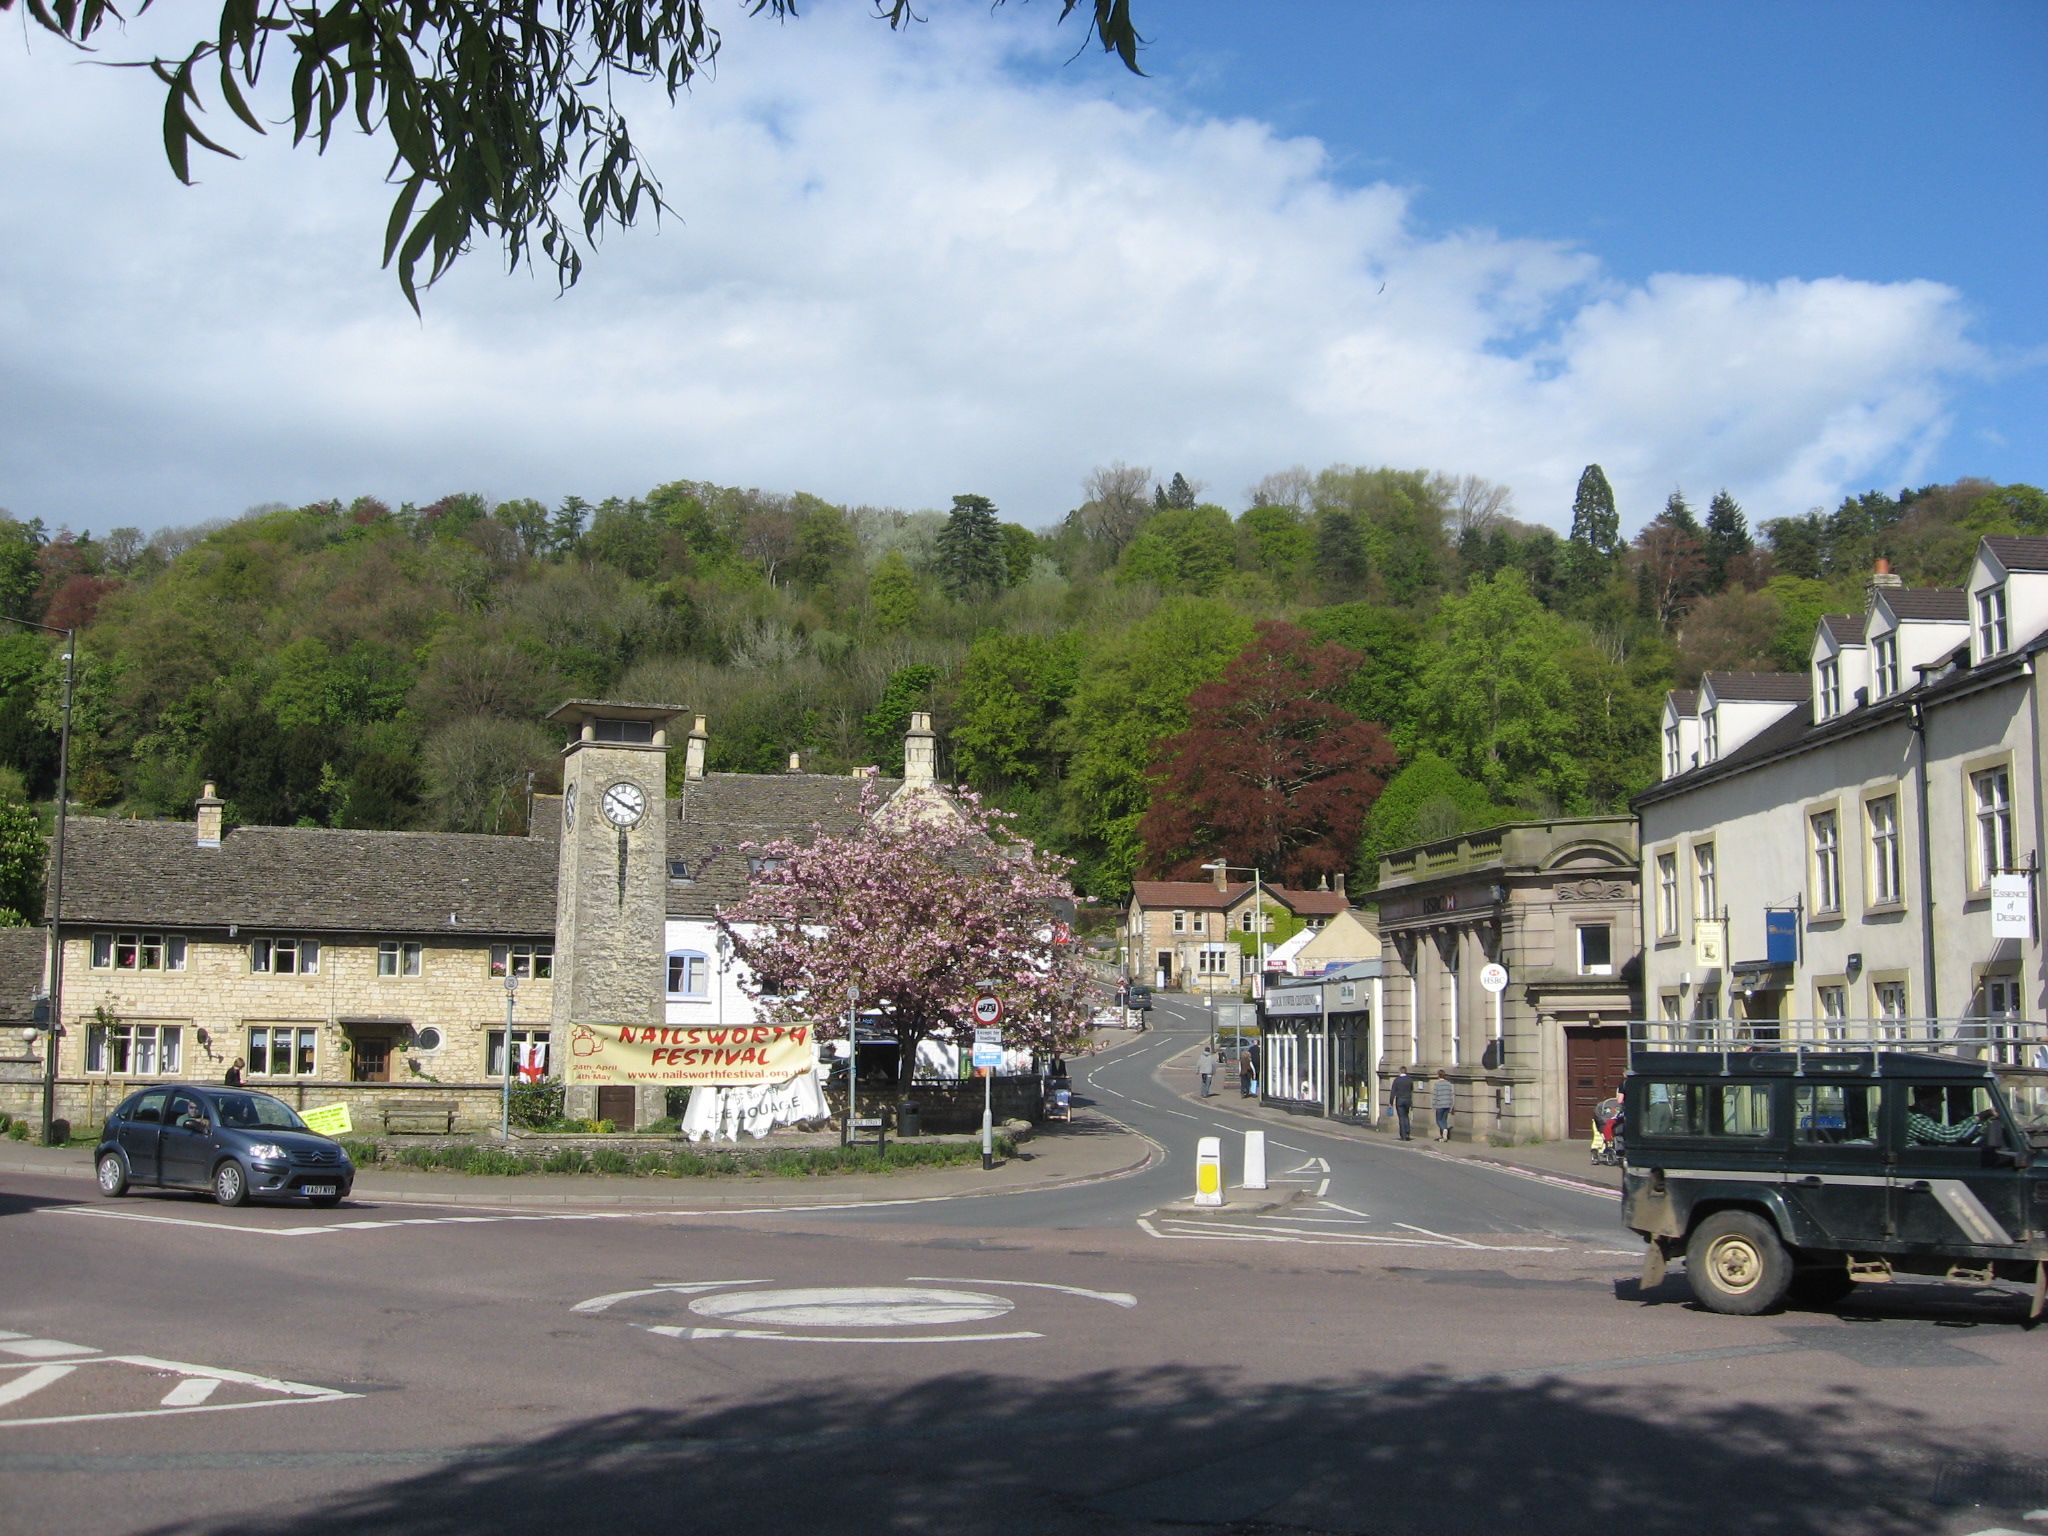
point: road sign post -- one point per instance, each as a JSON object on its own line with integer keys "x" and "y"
{"x": 988, "y": 1055}
{"x": 1494, "y": 977}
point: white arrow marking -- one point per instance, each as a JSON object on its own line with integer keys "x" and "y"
{"x": 1114, "y": 1298}
{"x": 33, "y": 1380}
{"x": 838, "y": 1338}
{"x": 677, "y": 1288}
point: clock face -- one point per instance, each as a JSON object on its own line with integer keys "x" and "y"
{"x": 624, "y": 804}
{"x": 569, "y": 806}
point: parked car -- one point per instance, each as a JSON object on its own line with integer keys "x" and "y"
{"x": 236, "y": 1142}
{"x": 1139, "y": 998}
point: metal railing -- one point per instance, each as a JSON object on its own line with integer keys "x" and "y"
{"x": 2002, "y": 1041}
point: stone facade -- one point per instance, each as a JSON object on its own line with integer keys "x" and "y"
{"x": 1182, "y": 934}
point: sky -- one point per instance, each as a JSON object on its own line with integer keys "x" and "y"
{"x": 1794, "y": 250}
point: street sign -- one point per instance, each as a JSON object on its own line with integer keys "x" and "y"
{"x": 2010, "y": 917}
{"x": 988, "y": 1009}
{"x": 1494, "y": 977}
{"x": 988, "y": 1047}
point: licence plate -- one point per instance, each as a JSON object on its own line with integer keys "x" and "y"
{"x": 319, "y": 1189}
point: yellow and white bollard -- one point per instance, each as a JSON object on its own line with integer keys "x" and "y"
{"x": 1209, "y": 1171}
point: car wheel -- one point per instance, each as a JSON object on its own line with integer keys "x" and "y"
{"x": 1736, "y": 1265}
{"x": 230, "y": 1184}
{"x": 113, "y": 1175}
{"x": 1822, "y": 1287}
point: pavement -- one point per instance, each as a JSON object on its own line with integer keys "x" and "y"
{"x": 1089, "y": 1149}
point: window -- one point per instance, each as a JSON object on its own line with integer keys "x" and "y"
{"x": 1827, "y": 862}
{"x": 1834, "y": 1011}
{"x": 1829, "y": 1114}
{"x": 141, "y": 1050}
{"x": 1888, "y": 999}
{"x": 1991, "y": 794}
{"x": 1991, "y": 633}
{"x": 638, "y": 732}
{"x": 284, "y": 957}
{"x": 282, "y": 1050}
{"x": 689, "y": 973}
{"x": 1830, "y": 688}
{"x": 1884, "y": 651}
{"x": 1596, "y": 950}
{"x": 138, "y": 952}
{"x": 524, "y": 1058}
{"x": 1706, "y": 894}
{"x": 1942, "y": 1116}
{"x": 399, "y": 957}
{"x": 1667, "y": 895}
{"x": 758, "y": 865}
{"x": 1710, "y": 734}
{"x": 1214, "y": 959}
{"x": 527, "y": 961}
{"x": 1707, "y": 1109}
{"x": 1883, "y": 817}
{"x": 1671, "y": 761}
{"x": 1198, "y": 922}
{"x": 679, "y": 871}
{"x": 1180, "y": 922}
{"x": 1671, "y": 1011}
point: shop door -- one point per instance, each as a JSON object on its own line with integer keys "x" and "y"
{"x": 617, "y": 1105}
{"x": 1595, "y": 1057}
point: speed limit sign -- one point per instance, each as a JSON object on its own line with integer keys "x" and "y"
{"x": 988, "y": 1008}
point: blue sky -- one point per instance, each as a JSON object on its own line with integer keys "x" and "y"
{"x": 1790, "y": 249}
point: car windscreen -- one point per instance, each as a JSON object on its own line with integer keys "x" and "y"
{"x": 256, "y": 1111}
{"x": 2026, "y": 1098}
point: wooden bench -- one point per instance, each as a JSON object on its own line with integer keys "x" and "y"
{"x": 419, "y": 1120}
{"x": 864, "y": 1128}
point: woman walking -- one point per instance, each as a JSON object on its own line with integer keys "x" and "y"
{"x": 1443, "y": 1095}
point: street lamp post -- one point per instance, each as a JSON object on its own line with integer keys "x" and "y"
{"x": 1259, "y": 932}
{"x": 505, "y": 1113}
{"x": 54, "y": 961}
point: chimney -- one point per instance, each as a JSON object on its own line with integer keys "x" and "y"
{"x": 1339, "y": 878}
{"x": 1882, "y": 579}
{"x": 693, "y": 751}
{"x": 209, "y": 818}
{"x": 796, "y": 762}
{"x": 920, "y": 753}
{"x": 1222, "y": 876}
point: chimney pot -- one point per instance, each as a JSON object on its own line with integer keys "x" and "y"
{"x": 693, "y": 751}
{"x": 208, "y": 818}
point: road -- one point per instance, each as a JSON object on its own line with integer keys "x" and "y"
{"x": 1411, "y": 1343}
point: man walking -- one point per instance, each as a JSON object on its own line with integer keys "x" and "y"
{"x": 1443, "y": 1098}
{"x": 1404, "y": 1100}
{"x": 1206, "y": 1065}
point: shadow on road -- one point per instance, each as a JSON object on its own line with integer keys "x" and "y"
{"x": 1174, "y": 1448}
{"x": 20, "y": 1205}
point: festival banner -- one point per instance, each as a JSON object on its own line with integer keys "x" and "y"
{"x": 328, "y": 1120}
{"x": 604, "y": 1055}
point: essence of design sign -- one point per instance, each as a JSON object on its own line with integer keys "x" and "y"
{"x": 604, "y": 1055}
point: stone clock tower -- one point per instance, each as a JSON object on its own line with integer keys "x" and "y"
{"x": 611, "y": 885}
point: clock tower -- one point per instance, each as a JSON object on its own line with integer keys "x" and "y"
{"x": 611, "y": 887}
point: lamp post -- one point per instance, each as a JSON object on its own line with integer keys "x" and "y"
{"x": 505, "y": 1113}
{"x": 54, "y": 961}
{"x": 1259, "y": 931}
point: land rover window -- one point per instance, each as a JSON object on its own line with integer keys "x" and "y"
{"x": 1715, "y": 1110}
{"x": 2026, "y": 1100}
{"x": 1945, "y": 1114}
{"x": 1831, "y": 1114}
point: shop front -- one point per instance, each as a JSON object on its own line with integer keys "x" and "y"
{"x": 1317, "y": 1043}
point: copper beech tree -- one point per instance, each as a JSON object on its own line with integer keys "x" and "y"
{"x": 1269, "y": 772}
{"x": 906, "y": 917}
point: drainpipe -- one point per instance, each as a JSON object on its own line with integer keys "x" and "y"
{"x": 1926, "y": 840}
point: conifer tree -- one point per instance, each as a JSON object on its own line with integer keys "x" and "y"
{"x": 1727, "y": 536}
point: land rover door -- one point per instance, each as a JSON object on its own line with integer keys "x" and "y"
{"x": 1836, "y": 1176}
{"x": 1955, "y": 1176}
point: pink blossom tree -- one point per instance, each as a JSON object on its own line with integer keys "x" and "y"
{"x": 909, "y": 914}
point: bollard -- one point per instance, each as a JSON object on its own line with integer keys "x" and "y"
{"x": 1209, "y": 1171}
{"x": 1254, "y": 1159}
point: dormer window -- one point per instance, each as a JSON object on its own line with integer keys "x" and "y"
{"x": 1830, "y": 688}
{"x": 1991, "y": 631}
{"x": 1710, "y": 734}
{"x": 1672, "y": 759}
{"x": 1884, "y": 653}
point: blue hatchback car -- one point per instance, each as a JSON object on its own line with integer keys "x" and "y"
{"x": 235, "y": 1142}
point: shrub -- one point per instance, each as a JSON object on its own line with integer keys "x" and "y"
{"x": 651, "y": 1163}
{"x": 611, "y": 1160}
{"x": 674, "y": 1102}
{"x": 416, "y": 1157}
{"x": 363, "y": 1154}
{"x": 603, "y": 1127}
{"x": 564, "y": 1160}
{"x": 18, "y": 1131}
{"x": 537, "y": 1106}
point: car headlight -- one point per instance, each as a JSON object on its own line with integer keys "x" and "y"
{"x": 267, "y": 1152}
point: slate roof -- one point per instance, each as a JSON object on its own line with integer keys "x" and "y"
{"x": 711, "y": 817}
{"x": 1203, "y": 896}
{"x": 1843, "y": 628}
{"x": 23, "y": 952}
{"x": 1311, "y": 903}
{"x": 305, "y": 879}
{"x": 1685, "y": 701}
{"x": 1942, "y": 605}
{"x": 2019, "y": 552}
{"x": 1759, "y": 687}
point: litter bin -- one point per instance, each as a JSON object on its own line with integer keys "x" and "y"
{"x": 907, "y": 1118}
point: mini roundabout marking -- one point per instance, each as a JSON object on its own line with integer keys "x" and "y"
{"x": 925, "y": 1309}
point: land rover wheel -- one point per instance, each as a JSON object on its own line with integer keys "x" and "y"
{"x": 113, "y": 1174}
{"x": 1736, "y": 1265}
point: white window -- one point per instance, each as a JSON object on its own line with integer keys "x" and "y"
{"x": 1827, "y": 861}
{"x": 1991, "y": 634}
{"x": 1180, "y": 922}
{"x": 1888, "y": 1002}
{"x": 1885, "y": 655}
{"x": 1671, "y": 1010}
{"x": 399, "y": 957}
{"x": 1244, "y": 920}
{"x": 1991, "y": 793}
{"x": 689, "y": 974}
{"x": 137, "y": 1050}
{"x": 1706, "y": 893}
{"x": 523, "y": 1057}
{"x": 2002, "y": 1011}
{"x": 1883, "y": 817}
{"x": 1214, "y": 959}
{"x": 1670, "y": 751}
{"x": 283, "y": 1050}
{"x": 1834, "y": 1011}
{"x": 138, "y": 952}
{"x": 1667, "y": 894}
{"x": 1830, "y": 688}
{"x": 1198, "y": 922}
{"x": 526, "y": 961}
{"x": 1596, "y": 950}
{"x": 1710, "y": 734}
{"x": 284, "y": 957}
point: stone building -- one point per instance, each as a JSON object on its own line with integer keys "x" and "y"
{"x": 1181, "y": 934}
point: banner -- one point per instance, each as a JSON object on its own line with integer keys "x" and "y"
{"x": 328, "y": 1120}
{"x": 603, "y": 1055}
{"x": 1709, "y": 945}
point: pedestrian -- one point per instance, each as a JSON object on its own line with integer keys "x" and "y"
{"x": 1443, "y": 1096}
{"x": 1404, "y": 1099}
{"x": 235, "y": 1073}
{"x": 1206, "y": 1065}
{"x": 1247, "y": 1072}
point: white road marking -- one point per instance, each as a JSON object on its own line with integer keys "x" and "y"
{"x": 1322, "y": 1189}
{"x": 839, "y": 1338}
{"x": 680, "y": 1287}
{"x": 191, "y": 1391}
{"x": 874, "y": 1306}
{"x": 42, "y": 1349}
{"x": 1440, "y": 1236}
{"x": 1185, "y": 1229}
{"x": 1175, "y": 1113}
{"x": 33, "y": 1379}
{"x": 1114, "y": 1298}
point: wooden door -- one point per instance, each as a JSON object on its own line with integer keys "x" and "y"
{"x": 1596, "y": 1055}
{"x": 372, "y": 1059}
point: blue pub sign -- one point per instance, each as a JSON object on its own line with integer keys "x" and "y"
{"x": 1781, "y": 935}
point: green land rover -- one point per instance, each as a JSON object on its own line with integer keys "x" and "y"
{"x": 1778, "y": 1170}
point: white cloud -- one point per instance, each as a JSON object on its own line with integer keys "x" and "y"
{"x": 903, "y": 267}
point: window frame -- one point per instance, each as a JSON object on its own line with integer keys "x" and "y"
{"x": 1830, "y": 673}
{"x": 104, "y": 949}
{"x": 406, "y": 957}
{"x": 131, "y": 1039}
{"x": 700, "y": 971}
{"x": 1884, "y": 663}
{"x": 1710, "y": 735}
{"x": 1833, "y": 1025}
{"x": 1667, "y": 893}
{"x": 526, "y": 961}
{"x": 1994, "y": 629}
{"x": 1579, "y": 933}
{"x": 1990, "y": 825}
{"x": 1884, "y": 854}
{"x": 1706, "y": 883}
{"x": 1824, "y": 859}
{"x": 1891, "y": 1024}
{"x": 299, "y": 1039}
{"x": 1673, "y": 751}
{"x": 522, "y": 1034}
